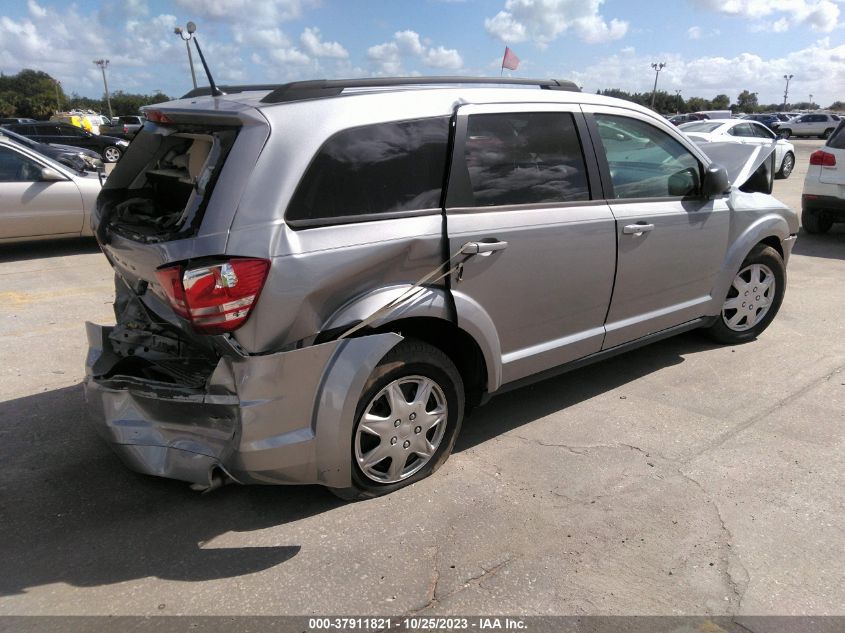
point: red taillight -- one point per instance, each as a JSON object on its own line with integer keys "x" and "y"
{"x": 126, "y": 129}
{"x": 823, "y": 158}
{"x": 157, "y": 116}
{"x": 216, "y": 298}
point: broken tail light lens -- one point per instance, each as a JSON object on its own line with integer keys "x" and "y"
{"x": 216, "y": 298}
{"x": 825, "y": 159}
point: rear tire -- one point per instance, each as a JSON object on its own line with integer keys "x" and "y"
{"x": 392, "y": 416}
{"x": 786, "y": 166}
{"x": 826, "y": 133}
{"x": 753, "y": 299}
{"x": 816, "y": 221}
{"x": 785, "y": 133}
{"x": 112, "y": 154}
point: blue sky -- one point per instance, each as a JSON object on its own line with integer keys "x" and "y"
{"x": 709, "y": 46}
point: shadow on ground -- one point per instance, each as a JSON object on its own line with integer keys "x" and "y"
{"x": 72, "y": 513}
{"x": 22, "y": 251}
{"x": 830, "y": 245}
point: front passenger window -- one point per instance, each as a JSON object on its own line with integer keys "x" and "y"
{"x": 646, "y": 162}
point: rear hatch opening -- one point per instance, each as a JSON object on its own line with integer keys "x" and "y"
{"x": 169, "y": 173}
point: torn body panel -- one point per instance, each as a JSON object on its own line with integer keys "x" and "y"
{"x": 282, "y": 418}
{"x": 740, "y": 161}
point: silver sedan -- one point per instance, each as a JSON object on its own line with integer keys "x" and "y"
{"x": 40, "y": 198}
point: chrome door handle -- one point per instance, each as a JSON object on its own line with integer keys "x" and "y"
{"x": 637, "y": 229}
{"x": 483, "y": 248}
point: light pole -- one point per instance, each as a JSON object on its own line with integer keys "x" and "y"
{"x": 187, "y": 34}
{"x": 657, "y": 68}
{"x": 786, "y": 90}
{"x": 103, "y": 64}
{"x": 811, "y": 101}
{"x": 678, "y": 96}
{"x": 58, "y": 105}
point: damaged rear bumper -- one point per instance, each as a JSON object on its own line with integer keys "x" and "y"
{"x": 284, "y": 418}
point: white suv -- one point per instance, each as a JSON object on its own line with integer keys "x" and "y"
{"x": 823, "y": 200}
{"x": 819, "y": 124}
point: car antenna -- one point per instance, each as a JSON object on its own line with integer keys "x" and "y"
{"x": 215, "y": 91}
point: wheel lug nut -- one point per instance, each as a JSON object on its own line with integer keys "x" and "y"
{"x": 418, "y": 429}
{"x": 413, "y": 416}
{"x": 406, "y": 444}
{"x": 397, "y": 423}
{"x": 393, "y": 441}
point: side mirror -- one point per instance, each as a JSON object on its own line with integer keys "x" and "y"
{"x": 715, "y": 181}
{"x": 49, "y": 174}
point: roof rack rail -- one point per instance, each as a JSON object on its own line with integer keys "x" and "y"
{"x": 204, "y": 91}
{"x": 319, "y": 88}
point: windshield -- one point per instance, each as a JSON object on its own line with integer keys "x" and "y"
{"x": 700, "y": 126}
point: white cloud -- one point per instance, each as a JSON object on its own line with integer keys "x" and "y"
{"x": 407, "y": 45}
{"x": 246, "y": 11}
{"x": 820, "y": 15}
{"x": 819, "y": 69}
{"x": 694, "y": 32}
{"x": 541, "y": 21}
{"x": 312, "y": 43}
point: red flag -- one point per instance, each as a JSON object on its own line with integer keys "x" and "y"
{"x": 510, "y": 60}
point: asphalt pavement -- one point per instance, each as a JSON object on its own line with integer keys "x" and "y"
{"x": 681, "y": 478}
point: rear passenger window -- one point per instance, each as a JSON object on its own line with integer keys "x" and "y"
{"x": 645, "y": 162}
{"x": 524, "y": 158}
{"x": 374, "y": 169}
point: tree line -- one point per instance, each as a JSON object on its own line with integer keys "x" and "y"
{"x": 35, "y": 94}
{"x": 746, "y": 102}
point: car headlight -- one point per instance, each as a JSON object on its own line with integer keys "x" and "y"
{"x": 122, "y": 143}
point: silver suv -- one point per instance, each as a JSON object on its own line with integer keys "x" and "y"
{"x": 316, "y": 281}
{"x": 820, "y": 124}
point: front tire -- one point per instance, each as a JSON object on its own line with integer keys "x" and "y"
{"x": 786, "y": 166}
{"x": 112, "y": 154}
{"x": 753, "y": 299}
{"x": 407, "y": 420}
{"x": 816, "y": 221}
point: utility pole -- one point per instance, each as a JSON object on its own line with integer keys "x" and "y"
{"x": 187, "y": 34}
{"x": 59, "y": 105}
{"x": 678, "y": 97}
{"x": 786, "y": 90}
{"x": 103, "y": 64}
{"x": 657, "y": 68}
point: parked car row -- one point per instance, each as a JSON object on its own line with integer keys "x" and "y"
{"x": 108, "y": 147}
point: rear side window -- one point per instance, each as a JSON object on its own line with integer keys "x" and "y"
{"x": 524, "y": 158}
{"x": 374, "y": 170}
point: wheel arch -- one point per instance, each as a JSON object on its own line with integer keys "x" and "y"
{"x": 769, "y": 230}
{"x": 452, "y": 322}
{"x": 461, "y": 348}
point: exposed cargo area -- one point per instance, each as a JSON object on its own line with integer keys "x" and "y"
{"x": 165, "y": 180}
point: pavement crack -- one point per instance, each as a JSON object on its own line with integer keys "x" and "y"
{"x": 737, "y": 587}
{"x": 473, "y": 581}
{"x": 582, "y": 449}
{"x": 736, "y": 430}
